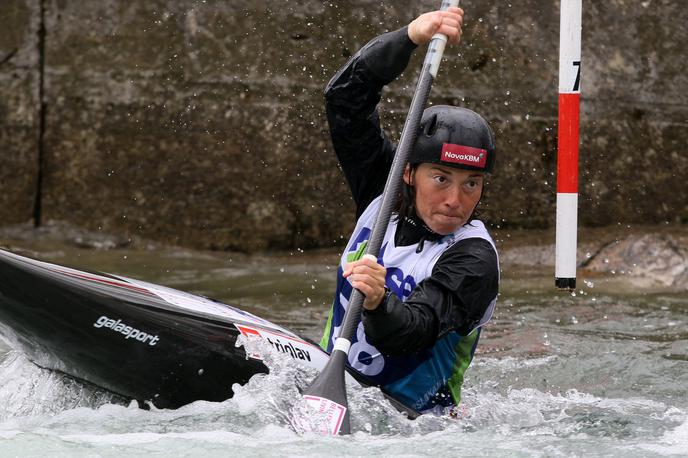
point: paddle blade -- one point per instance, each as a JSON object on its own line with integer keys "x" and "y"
{"x": 326, "y": 397}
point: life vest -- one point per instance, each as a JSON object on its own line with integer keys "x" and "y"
{"x": 430, "y": 377}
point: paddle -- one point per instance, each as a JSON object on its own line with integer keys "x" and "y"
{"x": 327, "y": 393}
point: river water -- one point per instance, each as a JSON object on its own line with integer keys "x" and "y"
{"x": 601, "y": 372}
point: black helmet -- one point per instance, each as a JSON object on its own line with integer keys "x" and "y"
{"x": 453, "y": 136}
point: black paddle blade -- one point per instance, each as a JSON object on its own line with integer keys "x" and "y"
{"x": 327, "y": 396}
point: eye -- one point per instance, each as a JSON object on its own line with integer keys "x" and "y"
{"x": 440, "y": 179}
{"x": 472, "y": 185}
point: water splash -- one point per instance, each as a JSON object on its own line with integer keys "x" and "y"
{"x": 277, "y": 396}
{"x": 29, "y": 390}
{"x": 510, "y": 408}
{"x": 496, "y": 420}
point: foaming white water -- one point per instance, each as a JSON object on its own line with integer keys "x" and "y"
{"x": 277, "y": 396}
{"x": 29, "y": 390}
{"x": 510, "y": 364}
{"x": 678, "y": 438}
{"x": 258, "y": 421}
{"x": 673, "y": 442}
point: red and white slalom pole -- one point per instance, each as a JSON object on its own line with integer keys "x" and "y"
{"x": 567, "y": 156}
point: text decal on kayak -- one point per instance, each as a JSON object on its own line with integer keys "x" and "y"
{"x": 127, "y": 331}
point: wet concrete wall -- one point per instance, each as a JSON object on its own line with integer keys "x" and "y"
{"x": 201, "y": 123}
{"x": 19, "y": 110}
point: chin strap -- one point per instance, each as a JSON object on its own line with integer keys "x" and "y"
{"x": 421, "y": 244}
{"x": 414, "y": 230}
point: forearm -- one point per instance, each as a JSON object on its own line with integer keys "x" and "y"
{"x": 398, "y": 328}
{"x": 454, "y": 297}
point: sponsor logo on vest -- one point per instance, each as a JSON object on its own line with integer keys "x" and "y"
{"x": 464, "y": 155}
{"x": 127, "y": 331}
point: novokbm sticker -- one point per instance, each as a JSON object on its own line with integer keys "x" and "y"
{"x": 464, "y": 155}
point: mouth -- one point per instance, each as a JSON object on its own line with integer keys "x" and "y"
{"x": 444, "y": 224}
{"x": 449, "y": 222}
{"x": 450, "y": 217}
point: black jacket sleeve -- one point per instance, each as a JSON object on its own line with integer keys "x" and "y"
{"x": 351, "y": 98}
{"x": 453, "y": 298}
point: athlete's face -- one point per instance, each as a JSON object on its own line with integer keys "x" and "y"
{"x": 445, "y": 196}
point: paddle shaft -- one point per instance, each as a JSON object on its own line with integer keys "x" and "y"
{"x": 327, "y": 393}
{"x": 393, "y": 185}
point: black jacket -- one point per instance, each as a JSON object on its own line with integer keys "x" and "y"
{"x": 465, "y": 279}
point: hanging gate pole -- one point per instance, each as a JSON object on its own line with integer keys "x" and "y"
{"x": 567, "y": 155}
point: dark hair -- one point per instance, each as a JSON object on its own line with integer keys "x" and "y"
{"x": 406, "y": 204}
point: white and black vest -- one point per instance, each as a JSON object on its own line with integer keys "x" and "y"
{"x": 420, "y": 378}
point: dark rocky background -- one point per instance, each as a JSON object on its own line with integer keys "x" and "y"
{"x": 201, "y": 123}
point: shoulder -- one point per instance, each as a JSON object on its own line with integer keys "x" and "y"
{"x": 472, "y": 249}
{"x": 473, "y": 237}
{"x": 472, "y": 259}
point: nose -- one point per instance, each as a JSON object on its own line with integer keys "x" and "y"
{"x": 453, "y": 198}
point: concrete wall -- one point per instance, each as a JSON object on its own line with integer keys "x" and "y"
{"x": 19, "y": 110}
{"x": 201, "y": 123}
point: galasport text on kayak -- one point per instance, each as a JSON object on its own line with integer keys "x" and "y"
{"x": 127, "y": 331}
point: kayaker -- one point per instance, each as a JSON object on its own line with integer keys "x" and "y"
{"x": 436, "y": 280}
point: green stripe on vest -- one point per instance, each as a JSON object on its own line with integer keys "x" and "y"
{"x": 350, "y": 257}
{"x": 463, "y": 359}
{"x": 325, "y": 341}
{"x": 358, "y": 254}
